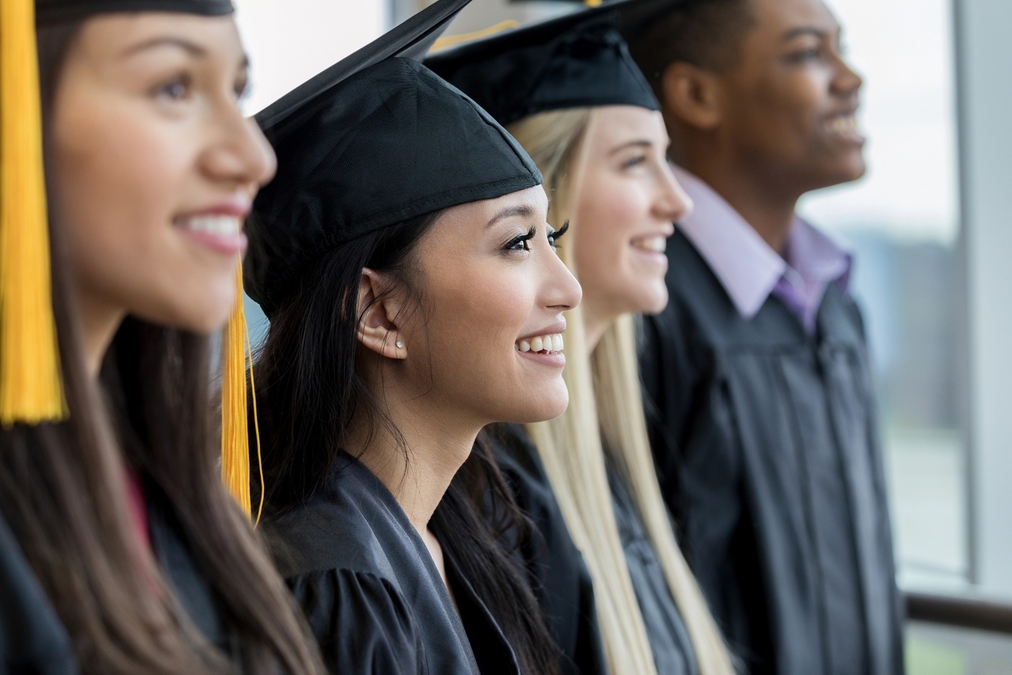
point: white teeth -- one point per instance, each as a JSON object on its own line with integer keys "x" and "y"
{"x": 551, "y": 344}
{"x": 217, "y": 225}
{"x": 653, "y": 244}
{"x": 843, "y": 125}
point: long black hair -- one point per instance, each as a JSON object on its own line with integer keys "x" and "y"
{"x": 62, "y": 490}
{"x": 309, "y": 390}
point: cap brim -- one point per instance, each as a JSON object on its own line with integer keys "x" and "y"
{"x": 411, "y": 38}
{"x": 634, "y": 15}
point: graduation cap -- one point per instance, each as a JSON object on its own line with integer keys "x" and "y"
{"x": 31, "y": 388}
{"x": 56, "y": 11}
{"x": 574, "y": 61}
{"x": 374, "y": 140}
{"x": 636, "y": 17}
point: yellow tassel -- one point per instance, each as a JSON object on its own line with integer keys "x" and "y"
{"x": 592, "y": 3}
{"x": 237, "y": 356}
{"x": 31, "y": 390}
{"x": 452, "y": 40}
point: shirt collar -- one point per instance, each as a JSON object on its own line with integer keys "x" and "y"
{"x": 746, "y": 266}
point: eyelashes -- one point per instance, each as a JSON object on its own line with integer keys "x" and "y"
{"x": 554, "y": 236}
{"x": 521, "y": 242}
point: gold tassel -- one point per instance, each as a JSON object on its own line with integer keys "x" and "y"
{"x": 448, "y": 41}
{"x": 592, "y": 3}
{"x": 31, "y": 390}
{"x": 237, "y": 355}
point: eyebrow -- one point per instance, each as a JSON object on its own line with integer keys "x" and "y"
{"x": 511, "y": 212}
{"x": 642, "y": 143}
{"x": 189, "y": 47}
{"x": 820, "y": 33}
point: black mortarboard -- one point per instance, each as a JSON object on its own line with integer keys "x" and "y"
{"x": 577, "y": 60}
{"x": 56, "y": 11}
{"x": 636, "y": 16}
{"x": 372, "y": 141}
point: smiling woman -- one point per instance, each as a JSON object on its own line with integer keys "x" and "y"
{"x": 594, "y": 128}
{"x": 117, "y": 507}
{"x": 404, "y": 258}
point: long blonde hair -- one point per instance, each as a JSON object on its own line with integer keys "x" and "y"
{"x": 572, "y": 447}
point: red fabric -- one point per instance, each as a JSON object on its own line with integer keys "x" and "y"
{"x": 138, "y": 507}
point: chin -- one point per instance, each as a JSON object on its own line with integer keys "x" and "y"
{"x": 199, "y": 320}
{"x": 654, "y": 301}
{"x": 549, "y": 405}
{"x": 845, "y": 170}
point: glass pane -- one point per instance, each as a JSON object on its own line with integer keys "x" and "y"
{"x": 939, "y": 650}
{"x": 902, "y": 222}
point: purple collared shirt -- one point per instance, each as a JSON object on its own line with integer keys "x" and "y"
{"x": 749, "y": 270}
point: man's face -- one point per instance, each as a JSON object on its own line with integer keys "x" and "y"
{"x": 789, "y": 104}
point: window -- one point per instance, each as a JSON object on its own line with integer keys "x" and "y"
{"x": 902, "y": 221}
{"x": 290, "y": 41}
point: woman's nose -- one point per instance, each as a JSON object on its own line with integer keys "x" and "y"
{"x": 673, "y": 203}
{"x": 242, "y": 154}
{"x": 562, "y": 291}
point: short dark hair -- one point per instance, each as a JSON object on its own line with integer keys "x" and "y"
{"x": 705, "y": 33}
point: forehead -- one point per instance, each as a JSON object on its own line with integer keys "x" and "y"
{"x": 775, "y": 19}
{"x": 123, "y": 35}
{"x": 619, "y": 124}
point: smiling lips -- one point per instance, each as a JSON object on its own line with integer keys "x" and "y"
{"x": 218, "y": 225}
{"x": 652, "y": 244}
{"x": 220, "y": 232}
{"x": 545, "y": 344}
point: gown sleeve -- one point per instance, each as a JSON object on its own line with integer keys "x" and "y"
{"x": 361, "y": 622}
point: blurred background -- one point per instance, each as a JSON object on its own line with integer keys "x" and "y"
{"x": 930, "y": 229}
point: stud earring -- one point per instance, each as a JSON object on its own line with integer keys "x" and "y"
{"x": 400, "y": 345}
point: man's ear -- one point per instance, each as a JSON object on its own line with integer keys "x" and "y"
{"x": 693, "y": 95}
{"x": 379, "y": 309}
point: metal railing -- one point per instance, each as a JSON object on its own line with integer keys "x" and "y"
{"x": 960, "y": 612}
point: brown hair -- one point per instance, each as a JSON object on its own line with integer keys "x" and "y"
{"x": 62, "y": 490}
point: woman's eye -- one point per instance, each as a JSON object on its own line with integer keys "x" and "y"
{"x": 242, "y": 89}
{"x": 521, "y": 242}
{"x": 555, "y": 235}
{"x": 177, "y": 89}
{"x": 634, "y": 162}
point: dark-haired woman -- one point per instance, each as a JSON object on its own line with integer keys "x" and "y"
{"x": 124, "y": 553}
{"x": 403, "y": 257}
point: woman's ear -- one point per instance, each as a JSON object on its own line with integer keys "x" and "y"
{"x": 379, "y": 309}
{"x": 693, "y": 95}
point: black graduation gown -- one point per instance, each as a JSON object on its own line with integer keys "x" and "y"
{"x": 371, "y": 592}
{"x": 768, "y": 453}
{"x": 32, "y": 639}
{"x": 668, "y": 635}
{"x": 558, "y": 574}
{"x": 175, "y": 559}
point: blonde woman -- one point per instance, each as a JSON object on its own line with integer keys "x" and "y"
{"x": 568, "y": 91}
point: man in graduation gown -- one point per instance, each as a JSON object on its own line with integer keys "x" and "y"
{"x": 759, "y": 395}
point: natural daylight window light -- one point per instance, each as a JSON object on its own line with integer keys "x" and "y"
{"x": 902, "y": 221}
